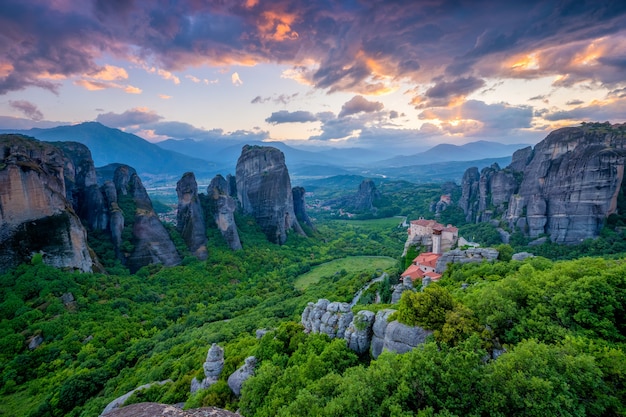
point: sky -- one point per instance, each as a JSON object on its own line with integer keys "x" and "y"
{"x": 376, "y": 74}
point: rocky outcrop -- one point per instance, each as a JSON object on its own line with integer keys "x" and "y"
{"x": 223, "y": 208}
{"x": 359, "y": 333}
{"x": 164, "y": 410}
{"x": 364, "y": 331}
{"x": 150, "y": 241}
{"x": 237, "y": 378}
{"x": 119, "y": 401}
{"x": 81, "y": 185}
{"x": 472, "y": 255}
{"x": 365, "y": 196}
{"x": 565, "y": 187}
{"x": 264, "y": 191}
{"x": 332, "y": 319}
{"x": 571, "y": 183}
{"x": 299, "y": 206}
{"x": 212, "y": 369}
{"x": 405, "y": 285}
{"x": 35, "y": 214}
{"x": 486, "y": 195}
{"x": 520, "y": 256}
{"x": 190, "y": 217}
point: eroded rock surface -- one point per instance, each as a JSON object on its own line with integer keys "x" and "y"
{"x": 237, "y": 378}
{"x": 264, "y": 191}
{"x": 212, "y": 369}
{"x": 35, "y": 215}
{"x": 190, "y": 216}
{"x": 224, "y": 207}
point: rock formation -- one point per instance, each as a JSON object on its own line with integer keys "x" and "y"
{"x": 365, "y": 196}
{"x": 299, "y": 206}
{"x": 264, "y": 191}
{"x": 363, "y": 331}
{"x": 358, "y": 335}
{"x": 190, "y": 217}
{"x": 472, "y": 255}
{"x": 81, "y": 185}
{"x": 332, "y": 319}
{"x": 164, "y": 410}
{"x": 237, "y": 378}
{"x": 223, "y": 207}
{"x": 565, "y": 187}
{"x": 119, "y": 401}
{"x": 212, "y": 369}
{"x": 405, "y": 285}
{"x": 150, "y": 241}
{"x": 35, "y": 215}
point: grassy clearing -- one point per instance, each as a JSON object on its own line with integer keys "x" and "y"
{"x": 374, "y": 224}
{"x": 351, "y": 264}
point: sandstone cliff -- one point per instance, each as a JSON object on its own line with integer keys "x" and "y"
{"x": 264, "y": 191}
{"x": 190, "y": 216}
{"x": 222, "y": 206}
{"x": 565, "y": 187}
{"x": 35, "y": 215}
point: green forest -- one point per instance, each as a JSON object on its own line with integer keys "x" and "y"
{"x": 557, "y": 322}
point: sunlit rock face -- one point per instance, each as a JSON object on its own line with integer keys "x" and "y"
{"x": 565, "y": 187}
{"x": 264, "y": 191}
{"x": 190, "y": 216}
{"x": 35, "y": 214}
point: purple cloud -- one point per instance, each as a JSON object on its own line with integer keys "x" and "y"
{"x": 285, "y": 116}
{"x": 27, "y": 108}
{"x": 131, "y": 117}
{"x": 358, "y": 104}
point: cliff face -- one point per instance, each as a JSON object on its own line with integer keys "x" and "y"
{"x": 223, "y": 207}
{"x": 190, "y": 216}
{"x": 299, "y": 206}
{"x": 365, "y": 196}
{"x": 35, "y": 215}
{"x": 264, "y": 191}
{"x": 152, "y": 243}
{"x": 570, "y": 184}
{"x": 82, "y": 185}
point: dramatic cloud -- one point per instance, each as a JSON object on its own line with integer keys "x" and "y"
{"x": 285, "y": 116}
{"x": 134, "y": 117}
{"x": 27, "y": 108}
{"x": 475, "y": 117}
{"x": 445, "y": 92}
{"x": 332, "y": 45}
{"x": 358, "y": 104}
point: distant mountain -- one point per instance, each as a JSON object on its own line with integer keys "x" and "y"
{"x": 109, "y": 145}
{"x": 446, "y": 152}
{"x": 227, "y": 152}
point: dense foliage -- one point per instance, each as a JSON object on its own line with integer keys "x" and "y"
{"x": 557, "y": 328}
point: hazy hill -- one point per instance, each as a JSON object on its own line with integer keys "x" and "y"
{"x": 109, "y": 145}
{"x": 446, "y": 152}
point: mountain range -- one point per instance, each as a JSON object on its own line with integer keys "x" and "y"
{"x": 206, "y": 158}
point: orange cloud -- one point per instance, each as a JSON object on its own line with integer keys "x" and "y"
{"x": 132, "y": 90}
{"x": 111, "y": 73}
{"x": 5, "y": 69}
{"x": 92, "y": 85}
{"x": 276, "y": 26}
{"x": 166, "y": 75}
{"x": 165, "y": 96}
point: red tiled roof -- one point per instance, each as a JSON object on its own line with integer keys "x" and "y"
{"x": 427, "y": 259}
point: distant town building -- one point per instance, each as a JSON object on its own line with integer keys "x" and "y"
{"x": 433, "y": 235}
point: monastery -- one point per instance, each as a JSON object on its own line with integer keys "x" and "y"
{"x": 438, "y": 238}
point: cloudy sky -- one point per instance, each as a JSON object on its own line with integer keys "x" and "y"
{"x": 370, "y": 73}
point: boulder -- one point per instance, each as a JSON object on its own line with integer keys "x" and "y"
{"x": 237, "y": 378}
{"x": 520, "y": 256}
{"x": 212, "y": 369}
{"x": 401, "y": 338}
{"x": 325, "y": 317}
{"x": 358, "y": 335}
{"x": 119, "y": 401}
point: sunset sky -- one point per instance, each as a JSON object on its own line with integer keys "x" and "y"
{"x": 375, "y": 74}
